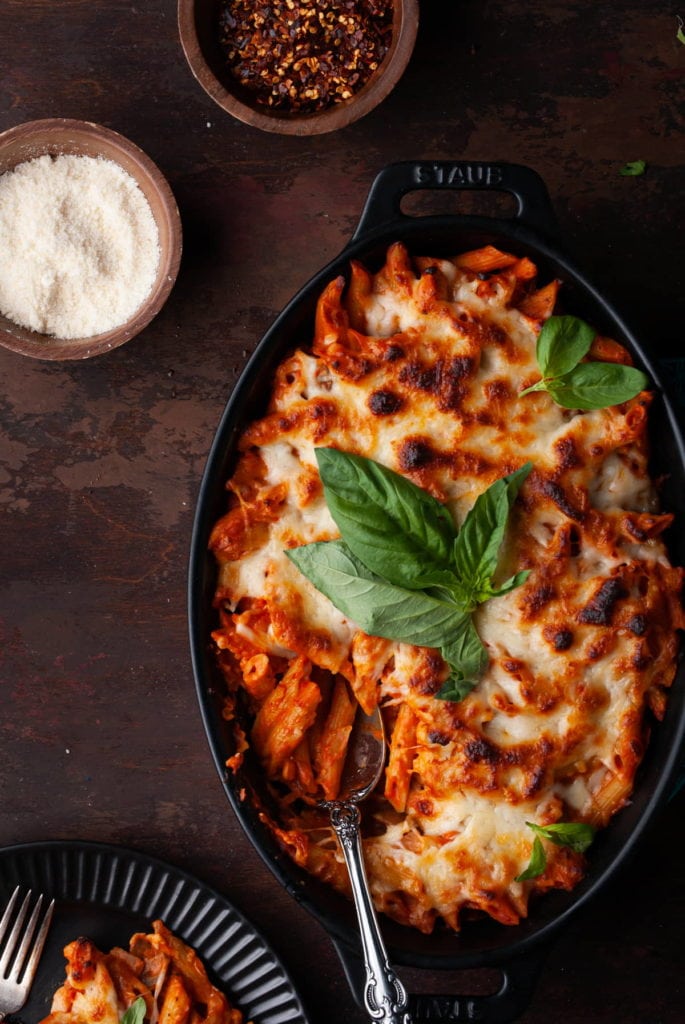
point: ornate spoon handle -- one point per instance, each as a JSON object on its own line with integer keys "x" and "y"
{"x": 384, "y": 996}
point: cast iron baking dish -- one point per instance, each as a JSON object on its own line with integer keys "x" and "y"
{"x": 517, "y": 951}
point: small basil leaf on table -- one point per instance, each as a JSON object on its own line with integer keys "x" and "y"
{"x": 397, "y": 529}
{"x": 633, "y": 169}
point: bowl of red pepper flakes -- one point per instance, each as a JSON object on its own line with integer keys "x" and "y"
{"x": 298, "y": 67}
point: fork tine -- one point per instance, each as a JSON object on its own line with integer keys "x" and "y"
{"x": 9, "y": 910}
{"x": 26, "y": 938}
{"x": 33, "y": 959}
{"x": 14, "y": 934}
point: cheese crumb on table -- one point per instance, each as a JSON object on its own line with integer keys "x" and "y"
{"x": 79, "y": 246}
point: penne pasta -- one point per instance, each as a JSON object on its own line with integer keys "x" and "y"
{"x": 401, "y": 759}
{"x": 485, "y": 259}
{"x": 331, "y": 748}
{"x": 433, "y": 368}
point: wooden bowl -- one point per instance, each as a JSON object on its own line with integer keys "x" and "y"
{"x": 81, "y": 138}
{"x": 198, "y": 29}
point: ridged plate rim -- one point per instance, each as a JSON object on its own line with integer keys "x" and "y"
{"x": 116, "y": 878}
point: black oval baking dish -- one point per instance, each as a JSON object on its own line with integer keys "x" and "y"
{"x": 519, "y": 951}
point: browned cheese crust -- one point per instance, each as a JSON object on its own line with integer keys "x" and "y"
{"x": 420, "y": 367}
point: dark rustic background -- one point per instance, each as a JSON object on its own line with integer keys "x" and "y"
{"x": 100, "y": 462}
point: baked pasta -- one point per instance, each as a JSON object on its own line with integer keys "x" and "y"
{"x": 421, "y": 367}
{"x": 158, "y": 980}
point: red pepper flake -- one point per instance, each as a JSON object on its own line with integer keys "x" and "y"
{"x": 304, "y": 57}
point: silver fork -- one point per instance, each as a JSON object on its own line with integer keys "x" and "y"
{"x": 20, "y": 950}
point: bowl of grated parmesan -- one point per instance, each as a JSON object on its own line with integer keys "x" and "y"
{"x": 90, "y": 239}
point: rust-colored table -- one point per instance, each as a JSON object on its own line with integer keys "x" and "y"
{"x": 100, "y": 461}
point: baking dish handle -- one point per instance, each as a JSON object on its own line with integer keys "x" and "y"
{"x": 519, "y": 978}
{"x": 383, "y": 203}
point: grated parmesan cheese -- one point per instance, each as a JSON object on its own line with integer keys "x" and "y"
{"x": 79, "y": 246}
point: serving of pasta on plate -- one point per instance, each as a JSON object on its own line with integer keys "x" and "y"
{"x": 158, "y": 980}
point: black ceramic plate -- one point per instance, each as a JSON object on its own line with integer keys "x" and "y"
{"x": 107, "y": 893}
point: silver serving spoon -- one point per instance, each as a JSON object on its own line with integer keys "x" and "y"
{"x": 385, "y": 998}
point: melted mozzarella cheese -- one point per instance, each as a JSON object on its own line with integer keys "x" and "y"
{"x": 425, "y": 377}
{"x": 89, "y": 994}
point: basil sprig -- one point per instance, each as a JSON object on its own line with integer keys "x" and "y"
{"x": 402, "y": 571}
{"x": 135, "y": 1013}
{"x": 562, "y": 343}
{"x": 575, "y": 834}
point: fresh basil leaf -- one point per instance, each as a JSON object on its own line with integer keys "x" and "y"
{"x": 455, "y": 688}
{"x": 377, "y": 607}
{"x": 400, "y": 571}
{"x": 135, "y": 1013}
{"x": 395, "y": 528}
{"x": 477, "y": 544}
{"x": 562, "y": 343}
{"x": 633, "y": 168}
{"x": 381, "y": 609}
{"x": 574, "y": 834}
{"x": 442, "y": 583}
{"x": 537, "y": 863}
{"x": 511, "y": 584}
{"x": 467, "y": 657}
{"x": 597, "y": 385}
{"x": 680, "y": 34}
